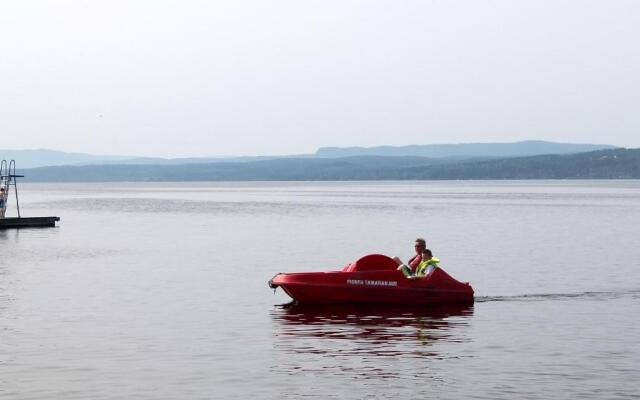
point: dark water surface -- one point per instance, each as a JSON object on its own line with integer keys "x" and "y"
{"x": 158, "y": 291}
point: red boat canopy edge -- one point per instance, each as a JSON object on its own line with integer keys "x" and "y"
{"x": 372, "y": 262}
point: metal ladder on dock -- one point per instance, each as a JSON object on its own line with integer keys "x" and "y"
{"x": 7, "y": 179}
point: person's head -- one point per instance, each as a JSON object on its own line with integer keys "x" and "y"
{"x": 427, "y": 254}
{"x": 420, "y": 245}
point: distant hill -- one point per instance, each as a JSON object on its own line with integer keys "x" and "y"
{"x": 602, "y": 164}
{"x": 465, "y": 150}
{"x": 286, "y": 169}
{"x": 43, "y": 157}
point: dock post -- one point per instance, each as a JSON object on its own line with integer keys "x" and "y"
{"x": 3, "y": 187}
{"x": 15, "y": 183}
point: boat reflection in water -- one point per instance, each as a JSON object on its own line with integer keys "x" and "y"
{"x": 342, "y": 330}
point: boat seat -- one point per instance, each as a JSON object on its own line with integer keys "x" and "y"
{"x": 372, "y": 262}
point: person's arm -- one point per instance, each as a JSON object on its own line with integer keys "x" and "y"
{"x": 429, "y": 270}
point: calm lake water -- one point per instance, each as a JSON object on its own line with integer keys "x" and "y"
{"x": 159, "y": 291}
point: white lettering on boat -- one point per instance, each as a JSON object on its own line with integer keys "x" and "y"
{"x": 368, "y": 282}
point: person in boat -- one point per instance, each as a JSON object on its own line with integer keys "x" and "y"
{"x": 428, "y": 263}
{"x": 413, "y": 262}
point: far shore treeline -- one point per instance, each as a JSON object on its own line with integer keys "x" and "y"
{"x": 617, "y": 163}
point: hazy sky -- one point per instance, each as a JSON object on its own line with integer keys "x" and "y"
{"x": 196, "y": 78}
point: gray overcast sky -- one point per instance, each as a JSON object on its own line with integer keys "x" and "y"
{"x": 236, "y": 77}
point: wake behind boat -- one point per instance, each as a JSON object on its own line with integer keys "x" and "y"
{"x": 372, "y": 279}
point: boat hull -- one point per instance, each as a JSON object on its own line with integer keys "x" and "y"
{"x": 388, "y": 286}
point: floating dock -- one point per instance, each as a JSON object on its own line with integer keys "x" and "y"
{"x": 28, "y": 222}
{"x": 7, "y": 180}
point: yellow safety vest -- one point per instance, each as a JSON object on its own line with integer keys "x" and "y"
{"x": 422, "y": 267}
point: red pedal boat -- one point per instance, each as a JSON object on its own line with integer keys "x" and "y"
{"x": 372, "y": 279}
